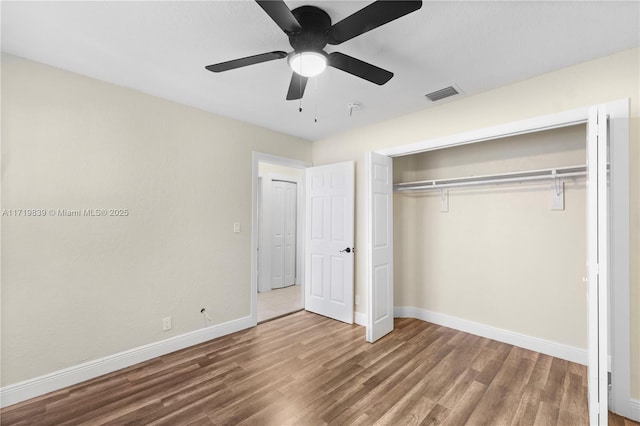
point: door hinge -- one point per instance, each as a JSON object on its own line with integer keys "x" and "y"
{"x": 596, "y": 408}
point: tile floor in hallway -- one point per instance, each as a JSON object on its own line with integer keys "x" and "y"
{"x": 278, "y": 302}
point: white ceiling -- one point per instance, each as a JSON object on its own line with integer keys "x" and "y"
{"x": 161, "y": 48}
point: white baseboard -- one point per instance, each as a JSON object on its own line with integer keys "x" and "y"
{"x": 31, "y": 388}
{"x": 360, "y": 319}
{"x": 634, "y": 410}
{"x": 536, "y": 344}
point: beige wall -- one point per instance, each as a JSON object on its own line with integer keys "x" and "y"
{"x": 80, "y": 288}
{"x": 605, "y": 79}
{"x": 500, "y": 256}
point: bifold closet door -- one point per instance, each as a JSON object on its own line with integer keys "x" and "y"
{"x": 597, "y": 263}
{"x": 380, "y": 251}
{"x": 283, "y": 234}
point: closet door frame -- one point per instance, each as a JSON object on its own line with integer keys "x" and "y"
{"x": 618, "y": 113}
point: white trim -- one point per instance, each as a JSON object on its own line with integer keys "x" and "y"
{"x": 360, "y": 318}
{"x": 257, "y": 157}
{"x": 280, "y": 161}
{"x": 536, "y": 344}
{"x": 41, "y": 385}
{"x": 531, "y": 125}
{"x": 634, "y": 409}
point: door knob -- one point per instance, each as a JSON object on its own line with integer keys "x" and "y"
{"x": 348, "y": 250}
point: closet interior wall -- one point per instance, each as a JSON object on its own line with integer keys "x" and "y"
{"x": 500, "y": 256}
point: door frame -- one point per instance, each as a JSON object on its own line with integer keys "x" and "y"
{"x": 256, "y": 158}
{"x": 265, "y": 252}
{"x": 619, "y": 329}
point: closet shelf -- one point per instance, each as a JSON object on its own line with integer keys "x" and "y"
{"x": 515, "y": 177}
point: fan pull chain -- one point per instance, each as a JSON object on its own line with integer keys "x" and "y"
{"x": 300, "y": 91}
{"x": 315, "y": 120}
{"x": 300, "y": 85}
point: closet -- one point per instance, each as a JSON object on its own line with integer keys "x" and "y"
{"x": 494, "y": 234}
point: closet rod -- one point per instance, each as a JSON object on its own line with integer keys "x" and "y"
{"x": 529, "y": 175}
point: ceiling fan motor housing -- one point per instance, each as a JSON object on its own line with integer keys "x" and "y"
{"x": 316, "y": 26}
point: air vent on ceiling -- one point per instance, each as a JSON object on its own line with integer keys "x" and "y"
{"x": 442, "y": 93}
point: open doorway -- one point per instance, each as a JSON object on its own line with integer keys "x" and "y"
{"x": 277, "y": 237}
{"x": 279, "y": 257}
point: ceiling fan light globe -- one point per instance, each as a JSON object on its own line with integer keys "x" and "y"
{"x": 308, "y": 64}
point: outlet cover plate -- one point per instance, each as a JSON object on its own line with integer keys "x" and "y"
{"x": 166, "y": 323}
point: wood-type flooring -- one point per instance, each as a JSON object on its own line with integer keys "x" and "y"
{"x": 305, "y": 369}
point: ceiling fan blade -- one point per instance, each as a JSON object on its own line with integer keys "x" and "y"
{"x": 249, "y": 60}
{"x": 359, "y": 68}
{"x": 281, "y": 15}
{"x": 370, "y": 17}
{"x": 296, "y": 86}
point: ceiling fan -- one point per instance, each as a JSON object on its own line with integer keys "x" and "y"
{"x": 309, "y": 30}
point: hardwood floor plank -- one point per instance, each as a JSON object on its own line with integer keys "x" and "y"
{"x": 436, "y": 416}
{"x": 308, "y": 414}
{"x": 555, "y": 381}
{"x": 309, "y": 370}
{"x": 455, "y": 393}
{"x": 409, "y": 410}
{"x": 547, "y": 414}
{"x": 571, "y": 404}
{"x": 396, "y": 379}
{"x": 504, "y": 391}
{"x": 376, "y": 397}
{"x": 466, "y": 405}
{"x": 185, "y": 415}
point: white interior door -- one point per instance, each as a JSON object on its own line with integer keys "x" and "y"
{"x": 597, "y": 263}
{"x": 380, "y": 250}
{"x": 329, "y": 240}
{"x": 278, "y": 217}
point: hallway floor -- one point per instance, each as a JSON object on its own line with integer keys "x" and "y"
{"x": 278, "y": 302}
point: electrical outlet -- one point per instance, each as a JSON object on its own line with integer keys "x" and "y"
{"x": 357, "y": 300}
{"x": 166, "y": 323}
{"x": 236, "y": 227}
